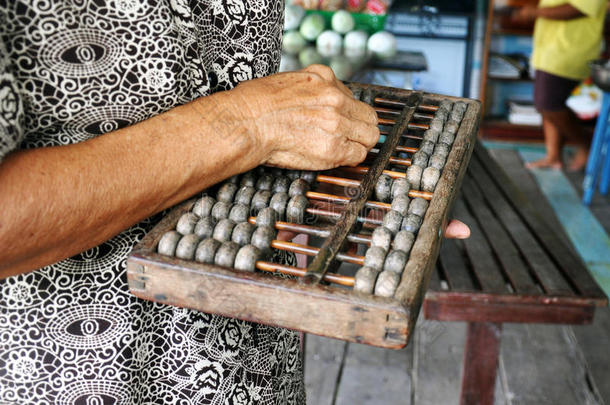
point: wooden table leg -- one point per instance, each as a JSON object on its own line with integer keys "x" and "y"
{"x": 480, "y": 363}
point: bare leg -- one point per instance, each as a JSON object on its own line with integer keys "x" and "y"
{"x": 553, "y": 142}
{"x": 571, "y": 129}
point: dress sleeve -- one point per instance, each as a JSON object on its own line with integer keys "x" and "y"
{"x": 11, "y": 108}
{"x": 590, "y": 8}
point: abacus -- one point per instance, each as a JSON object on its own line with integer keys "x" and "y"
{"x": 379, "y": 225}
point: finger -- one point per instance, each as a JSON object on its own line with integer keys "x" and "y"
{"x": 354, "y": 154}
{"x": 344, "y": 88}
{"x": 358, "y": 131}
{"x": 457, "y": 230}
{"x": 323, "y": 71}
{"x": 360, "y": 111}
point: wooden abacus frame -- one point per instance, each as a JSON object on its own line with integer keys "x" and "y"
{"x": 306, "y": 305}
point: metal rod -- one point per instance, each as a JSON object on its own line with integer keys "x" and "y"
{"x": 396, "y": 103}
{"x": 314, "y": 195}
{"x": 312, "y": 251}
{"x": 340, "y": 181}
{"x": 393, "y": 160}
{"x": 295, "y": 271}
{"x": 411, "y": 125}
{"x": 337, "y": 215}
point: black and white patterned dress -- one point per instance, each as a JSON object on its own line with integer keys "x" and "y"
{"x": 70, "y": 333}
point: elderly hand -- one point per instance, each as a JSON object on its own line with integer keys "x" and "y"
{"x": 305, "y": 120}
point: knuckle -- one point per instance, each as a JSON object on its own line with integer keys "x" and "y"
{"x": 334, "y": 97}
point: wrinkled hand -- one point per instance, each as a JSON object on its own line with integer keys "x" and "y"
{"x": 306, "y": 119}
{"x": 526, "y": 14}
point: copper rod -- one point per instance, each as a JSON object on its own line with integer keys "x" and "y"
{"x": 336, "y": 215}
{"x": 396, "y": 103}
{"x": 340, "y": 181}
{"x": 364, "y": 170}
{"x": 407, "y": 149}
{"x": 343, "y": 200}
{"x": 412, "y": 125}
{"x": 409, "y": 136}
{"x": 295, "y": 271}
{"x": 312, "y": 251}
{"x": 416, "y": 115}
{"x": 393, "y": 160}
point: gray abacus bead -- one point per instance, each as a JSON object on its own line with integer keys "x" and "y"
{"x": 186, "y": 223}
{"x": 223, "y": 230}
{"x": 298, "y": 187}
{"x": 383, "y": 188}
{"x": 293, "y": 174}
{"x": 295, "y": 210}
{"x": 418, "y": 206}
{"x": 221, "y": 210}
{"x": 420, "y": 158}
{"x": 265, "y": 182}
{"x": 247, "y": 257}
{"x": 374, "y": 257}
{"x": 225, "y": 255}
{"x": 260, "y": 200}
{"x": 427, "y": 147}
{"x": 456, "y": 115}
{"x": 400, "y": 186}
{"x": 278, "y": 202}
{"x": 431, "y": 135}
{"x": 411, "y": 223}
{"x": 414, "y": 173}
{"x": 452, "y": 127}
{"x": 392, "y": 220}
{"x": 262, "y": 237}
{"x": 266, "y": 217}
{"x": 446, "y": 138}
{"x": 395, "y": 261}
{"x": 226, "y": 192}
{"x": 387, "y": 282}
{"x": 260, "y": 170}
{"x": 244, "y": 195}
{"x": 445, "y": 105}
{"x": 309, "y": 176}
{"x": 461, "y": 106}
{"x": 276, "y": 171}
{"x": 400, "y": 203}
{"x": 403, "y": 241}
{"x": 437, "y": 124}
{"x": 203, "y": 206}
{"x": 187, "y": 246}
{"x": 364, "y": 281}
{"x": 381, "y": 237}
{"x": 441, "y": 114}
{"x": 206, "y": 251}
{"x": 429, "y": 178}
{"x": 248, "y": 179}
{"x": 233, "y": 179}
{"x": 442, "y": 149}
{"x": 437, "y": 161}
{"x": 168, "y": 242}
{"x": 281, "y": 185}
{"x": 239, "y": 213}
{"x": 205, "y": 227}
{"x": 242, "y": 233}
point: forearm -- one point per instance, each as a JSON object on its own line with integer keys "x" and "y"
{"x": 59, "y": 201}
{"x": 562, "y": 12}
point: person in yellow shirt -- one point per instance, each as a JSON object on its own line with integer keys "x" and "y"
{"x": 567, "y": 36}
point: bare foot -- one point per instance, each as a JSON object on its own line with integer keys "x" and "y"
{"x": 545, "y": 163}
{"x": 579, "y": 161}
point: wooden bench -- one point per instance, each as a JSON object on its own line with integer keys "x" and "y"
{"x": 514, "y": 268}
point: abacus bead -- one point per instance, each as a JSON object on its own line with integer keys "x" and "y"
{"x": 400, "y": 186}
{"x": 442, "y": 149}
{"x": 381, "y": 237}
{"x": 203, "y": 206}
{"x": 221, "y": 210}
{"x": 281, "y": 185}
{"x": 205, "y": 227}
{"x": 445, "y": 105}
{"x": 403, "y": 241}
{"x": 437, "y": 161}
{"x": 429, "y": 178}
{"x": 418, "y": 206}
{"x": 383, "y": 188}
{"x": 223, "y": 230}
{"x": 262, "y": 237}
{"x": 452, "y": 127}
{"x": 226, "y": 192}
{"x": 411, "y": 223}
{"x": 392, "y": 220}
{"x": 244, "y": 195}
{"x": 206, "y": 251}
{"x": 233, "y": 179}
{"x": 446, "y": 138}
{"x": 225, "y": 255}
{"x": 395, "y": 261}
{"x": 414, "y": 176}
{"x": 293, "y": 174}
{"x": 400, "y": 203}
{"x": 187, "y": 246}
{"x": 277, "y": 172}
{"x": 239, "y": 213}
{"x": 431, "y": 135}
{"x": 260, "y": 200}
{"x": 168, "y": 242}
{"x": 437, "y": 124}
{"x": 266, "y": 217}
{"x": 186, "y": 223}
{"x": 441, "y": 114}
{"x": 374, "y": 257}
{"x": 309, "y": 176}
{"x": 461, "y": 106}
{"x": 278, "y": 202}
{"x": 295, "y": 211}
{"x": 260, "y": 170}
{"x": 365, "y": 280}
{"x": 420, "y": 158}
{"x": 247, "y": 257}
{"x": 248, "y": 179}
{"x": 298, "y": 187}
{"x": 265, "y": 182}
{"x": 386, "y": 284}
{"x": 242, "y": 233}
{"x": 427, "y": 147}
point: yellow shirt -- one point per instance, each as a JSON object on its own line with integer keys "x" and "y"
{"x": 564, "y": 48}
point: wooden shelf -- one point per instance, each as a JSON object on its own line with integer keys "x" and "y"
{"x": 497, "y": 128}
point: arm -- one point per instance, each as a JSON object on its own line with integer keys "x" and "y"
{"x": 562, "y": 12}
{"x": 59, "y": 201}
